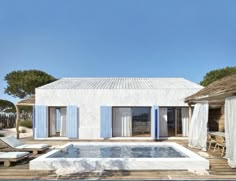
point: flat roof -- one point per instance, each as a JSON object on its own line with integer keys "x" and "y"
{"x": 121, "y": 83}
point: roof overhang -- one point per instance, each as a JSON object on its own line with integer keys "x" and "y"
{"x": 211, "y": 98}
{"x": 30, "y": 101}
{"x": 216, "y": 91}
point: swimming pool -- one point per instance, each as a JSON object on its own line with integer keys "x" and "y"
{"x": 125, "y": 151}
{"x": 121, "y": 156}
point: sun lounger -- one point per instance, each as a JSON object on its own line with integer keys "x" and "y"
{"x": 8, "y": 157}
{"x": 20, "y": 146}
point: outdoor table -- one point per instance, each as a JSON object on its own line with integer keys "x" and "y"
{"x": 218, "y": 133}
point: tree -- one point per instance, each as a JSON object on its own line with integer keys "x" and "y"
{"x": 217, "y": 74}
{"x": 7, "y": 106}
{"x": 23, "y": 83}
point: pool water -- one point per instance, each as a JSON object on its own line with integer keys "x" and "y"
{"x": 119, "y": 152}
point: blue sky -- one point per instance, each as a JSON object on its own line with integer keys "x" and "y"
{"x": 118, "y": 38}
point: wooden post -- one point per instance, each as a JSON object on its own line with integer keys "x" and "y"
{"x": 7, "y": 163}
{"x": 189, "y": 113}
{"x": 17, "y": 122}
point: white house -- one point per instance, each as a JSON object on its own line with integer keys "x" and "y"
{"x": 94, "y": 108}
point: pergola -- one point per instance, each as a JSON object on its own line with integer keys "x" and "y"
{"x": 220, "y": 93}
{"x": 30, "y": 101}
{"x": 215, "y": 93}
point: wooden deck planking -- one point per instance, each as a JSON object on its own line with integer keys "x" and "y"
{"x": 219, "y": 169}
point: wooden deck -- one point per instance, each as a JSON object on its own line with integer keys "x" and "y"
{"x": 219, "y": 169}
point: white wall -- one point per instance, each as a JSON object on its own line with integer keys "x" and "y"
{"x": 89, "y": 102}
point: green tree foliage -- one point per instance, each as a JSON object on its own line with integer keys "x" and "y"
{"x": 23, "y": 83}
{"x": 7, "y": 106}
{"x": 217, "y": 74}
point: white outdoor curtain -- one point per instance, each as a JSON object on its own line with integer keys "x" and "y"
{"x": 163, "y": 122}
{"x": 63, "y": 122}
{"x": 185, "y": 120}
{"x": 115, "y": 122}
{"x": 230, "y": 133}
{"x": 52, "y": 121}
{"x": 198, "y": 127}
{"x": 122, "y": 122}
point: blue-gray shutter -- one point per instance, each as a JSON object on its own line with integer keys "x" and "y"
{"x": 33, "y": 121}
{"x": 58, "y": 120}
{"x": 41, "y": 122}
{"x": 72, "y": 115}
{"x": 105, "y": 122}
{"x": 155, "y": 123}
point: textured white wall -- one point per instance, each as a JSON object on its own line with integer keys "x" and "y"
{"x": 89, "y": 102}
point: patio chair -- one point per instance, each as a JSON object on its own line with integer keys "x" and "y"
{"x": 16, "y": 144}
{"x": 9, "y": 157}
{"x": 210, "y": 141}
{"x": 220, "y": 143}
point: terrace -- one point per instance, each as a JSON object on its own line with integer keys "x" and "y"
{"x": 219, "y": 168}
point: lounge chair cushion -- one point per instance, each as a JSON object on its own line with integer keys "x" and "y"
{"x": 12, "y": 155}
{"x": 32, "y": 146}
{"x": 12, "y": 141}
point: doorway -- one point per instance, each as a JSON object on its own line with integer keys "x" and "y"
{"x": 57, "y": 121}
{"x": 174, "y": 122}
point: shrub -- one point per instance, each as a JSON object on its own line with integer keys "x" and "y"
{"x": 26, "y": 123}
{"x": 23, "y": 130}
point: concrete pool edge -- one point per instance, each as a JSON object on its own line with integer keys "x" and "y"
{"x": 193, "y": 161}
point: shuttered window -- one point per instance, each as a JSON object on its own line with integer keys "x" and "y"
{"x": 33, "y": 121}
{"x": 72, "y": 121}
{"x": 41, "y": 122}
{"x": 105, "y": 122}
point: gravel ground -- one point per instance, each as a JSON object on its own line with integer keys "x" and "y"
{"x": 12, "y": 132}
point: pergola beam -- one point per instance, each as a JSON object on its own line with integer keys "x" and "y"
{"x": 17, "y": 122}
{"x": 189, "y": 113}
{"x": 26, "y": 102}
